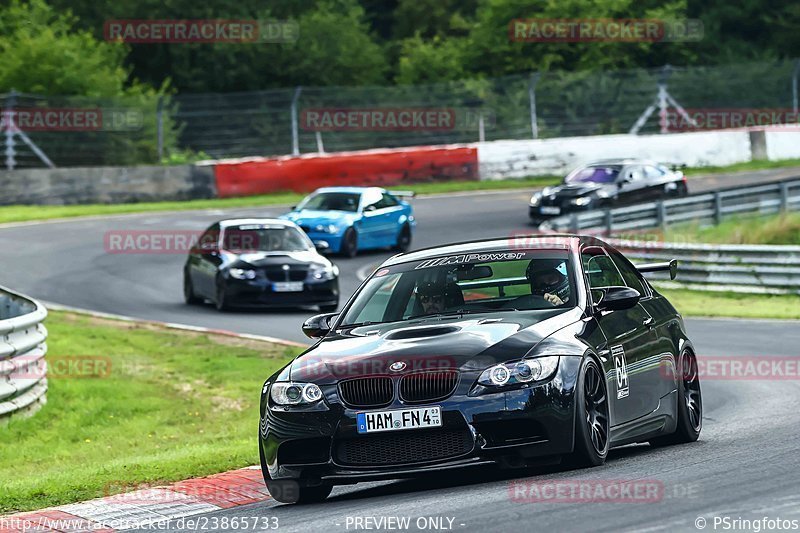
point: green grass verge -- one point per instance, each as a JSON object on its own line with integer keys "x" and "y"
{"x": 774, "y": 229}
{"x": 731, "y": 304}
{"x": 741, "y": 167}
{"x": 25, "y": 213}
{"x": 174, "y": 405}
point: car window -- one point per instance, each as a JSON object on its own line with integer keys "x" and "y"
{"x": 634, "y": 173}
{"x": 652, "y": 172}
{"x": 419, "y": 289}
{"x": 259, "y": 238}
{"x": 629, "y": 273}
{"x": 331, "y": 201}
{"x": 209, "y": 239}
{"x": 601, "y": 270}
{"x": 594, "y": 173}
{"x": 386, "y": 201}
{"x": 371, "y": 197}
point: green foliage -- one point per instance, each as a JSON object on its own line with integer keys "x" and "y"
{"x": 42, "y": 53}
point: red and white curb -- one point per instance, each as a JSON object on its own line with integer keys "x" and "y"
{"x": 144, "y": 507}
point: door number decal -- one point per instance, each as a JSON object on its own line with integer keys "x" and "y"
{"x": 621, "y": 365}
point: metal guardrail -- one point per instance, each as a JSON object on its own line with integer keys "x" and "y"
{"x": 23, "y": 380}
{"x": 705, "y": 208}
{"x": 744, "y": 268}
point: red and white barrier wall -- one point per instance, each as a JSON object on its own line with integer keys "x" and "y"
{"x": 495, "y": 160}
{"x": 251, "y": 176}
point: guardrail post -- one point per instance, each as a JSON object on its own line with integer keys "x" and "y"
{"x": 532, "y": 81}
{"x": 293, "y": 111}
{"x": 661, "y": 214}
{"x": 160, "y": 128}
{"x": 609, "y": 222}
{"x": 717, "y": 208}
{"x": 573, "y": 223}
{"x": 784, "y": 196}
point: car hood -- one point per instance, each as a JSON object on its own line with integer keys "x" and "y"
{"x": 468, "y": 343}
{"x": 309, "y": 217}
{"x": 574, "y": 190}
{"x": 258, "y": 259}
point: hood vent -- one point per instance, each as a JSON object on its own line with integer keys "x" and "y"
{"x": 419, "y": 333}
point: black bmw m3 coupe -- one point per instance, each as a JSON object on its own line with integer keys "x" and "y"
{"x": 503, "y": 352}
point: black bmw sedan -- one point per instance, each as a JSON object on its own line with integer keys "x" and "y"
{"x": 502, "y": 353}
{"x": 260, "y": 262}
{"x": 608, "y": 183}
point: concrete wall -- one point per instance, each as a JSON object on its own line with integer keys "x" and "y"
{"x": 517, "y": 159}
{"x": 782, "y": 144}
{"x": 493, "y": 160}
{"x": 63, "y": 186}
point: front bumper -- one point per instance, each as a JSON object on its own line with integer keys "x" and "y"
{"x": 261, "y": 293}
{"x": 318, "y": 443}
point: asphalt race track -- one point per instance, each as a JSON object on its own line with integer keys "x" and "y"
{"x": 67, "y": 263}
{"x": 746, "y": 464}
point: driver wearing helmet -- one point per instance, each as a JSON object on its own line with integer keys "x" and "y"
{"x": 431, "y": 297}
{"x": 548, "y": 281}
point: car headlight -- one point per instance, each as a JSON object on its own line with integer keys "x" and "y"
{"x": 289, "y": 393}
{"x": 536, "y": 198}
{"x": 326, "y": 228}
{"x": 520, "y": 372}
{"x": 584, "y": 200}
{"x": 324, "y": 272}
{"x": 242, "y": 273}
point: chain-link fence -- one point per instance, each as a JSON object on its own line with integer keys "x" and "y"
{"x": 317, "y": 119}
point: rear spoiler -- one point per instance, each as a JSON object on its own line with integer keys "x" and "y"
{"x": 403, "y": 194}
{"x": 671, "y": 266}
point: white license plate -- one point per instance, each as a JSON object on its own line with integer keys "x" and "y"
{"x": 287, "y": 286}
{"x": 549, "y": 210}
{"x": 422, "y": 417}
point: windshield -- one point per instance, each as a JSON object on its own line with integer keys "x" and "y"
{"x": 331, "y": 201}
{"x": 595, "y": 173}
{"x": 464, "y": 284}
{"x": 256, "y": 238}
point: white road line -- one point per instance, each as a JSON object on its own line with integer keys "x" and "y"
{"x": 172, "y": 325}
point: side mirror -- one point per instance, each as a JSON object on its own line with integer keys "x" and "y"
{"x": 318, "y": 325}
{"x": 618, "y": 299}
{"x": 322, "y": 246}
{"x": 370, "y": 208}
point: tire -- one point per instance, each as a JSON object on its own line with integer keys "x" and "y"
{"x": 690, "y": 404}
{"x": 350, "y": 243}
{"x": 404, "y": 239}
{"x": 329, "y": 308}
{"x": 591, "y": 417}
{"x": 188, "y": 291}
{"x": 220, "y": 301}
{"x": 290, "y": 491}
